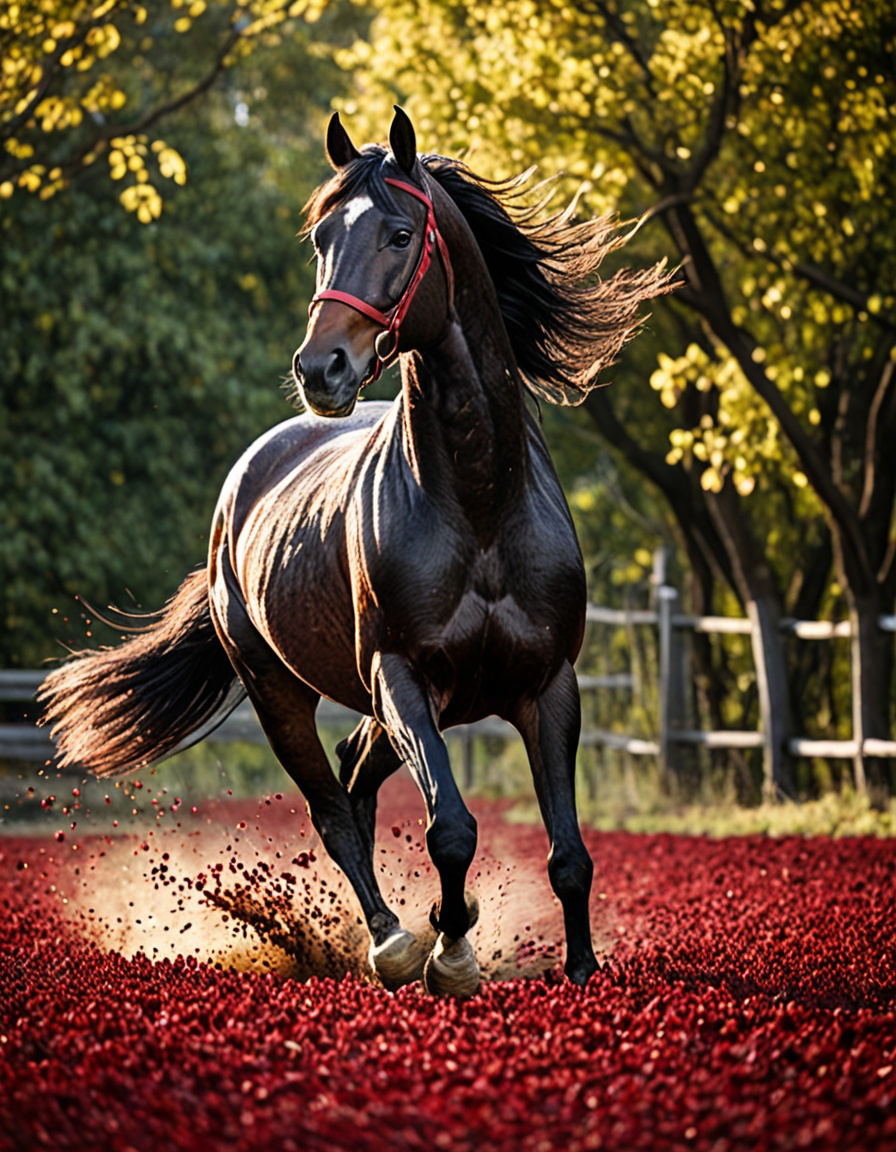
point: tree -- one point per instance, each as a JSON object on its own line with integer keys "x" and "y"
{"x": 760, "y": 136}
{"x": 141, "y": 359}
{"x": 84, "y": 80}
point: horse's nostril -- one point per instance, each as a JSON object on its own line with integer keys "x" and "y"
{"x": 336, "y": 365}
{"x": 297, "y": 365}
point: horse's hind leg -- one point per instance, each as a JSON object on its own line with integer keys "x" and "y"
{"x": 403, "y": 708}
{"x": 550, "y": 726}
{"x": 366, "y": 760}
{"x": 285, "y": 709}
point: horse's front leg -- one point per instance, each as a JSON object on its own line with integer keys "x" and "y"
{"x": 403, "y": 707}
{"x": 366, "y": 759}
{"x": 549, "y": 726}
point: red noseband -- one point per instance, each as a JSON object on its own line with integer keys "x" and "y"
{"x": 387, "y": 341}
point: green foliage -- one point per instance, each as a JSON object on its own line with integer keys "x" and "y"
{"x": 138, "y": 365}
{"x": 140, "y": 360}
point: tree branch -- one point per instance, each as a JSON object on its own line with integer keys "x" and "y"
{"x": 693, "y": 519}
{"x": 708, "y": 297}
{"x": 873, "y": 439}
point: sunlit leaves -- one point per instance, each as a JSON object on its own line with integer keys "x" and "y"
{"x": 75, "y": 77}
{"x": 129, "y": 159}
{"x": 789, "y": 104}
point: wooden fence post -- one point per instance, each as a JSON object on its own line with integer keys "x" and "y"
{"x": 670, "y": 685}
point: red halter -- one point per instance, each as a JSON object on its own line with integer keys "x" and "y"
{"x": 392, "y": 320}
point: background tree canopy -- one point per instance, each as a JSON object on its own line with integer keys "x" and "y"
{"x": 760, "y": 139}
{"x": 144, "y": 351}
{"x": 154, "y": 161}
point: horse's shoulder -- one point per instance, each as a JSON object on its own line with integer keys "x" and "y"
{"x": 288, "y": 443}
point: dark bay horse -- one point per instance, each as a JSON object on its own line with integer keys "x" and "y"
{"x": 414, "y": 561}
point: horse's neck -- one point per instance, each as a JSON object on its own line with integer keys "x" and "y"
{"x": 465, "y": 420}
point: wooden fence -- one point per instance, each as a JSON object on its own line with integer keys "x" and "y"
{"x": 672, "y": 734}
{"x": 24, "y": 741}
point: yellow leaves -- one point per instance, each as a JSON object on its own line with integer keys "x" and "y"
{"x": 144, "y": 200}
{"x": 131, "y": 156}
{"x": 711, "y": 480}
{"x": 118, "y": 167}
{"x": 102, "y": 97}
{"x": 31, "y": 178}
{"x": 171, "y": 163}
{"x": 674, "y": 375}
{"x": 663, "y": 381}
{"x": 60, "y": 76}
{"x": 55, "y": 114}
{"x": 21, "y": 149}
{"x": 104, "y": 40}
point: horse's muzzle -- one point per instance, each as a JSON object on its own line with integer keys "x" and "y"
{"x": 328, "y": 384}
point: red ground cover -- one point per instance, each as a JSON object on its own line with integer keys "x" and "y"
{"x": 200, "y": 985}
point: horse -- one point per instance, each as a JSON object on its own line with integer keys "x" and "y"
{"x": 414, "y": 561}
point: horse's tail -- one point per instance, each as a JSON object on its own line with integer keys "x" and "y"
{"x": 166, "y": 687}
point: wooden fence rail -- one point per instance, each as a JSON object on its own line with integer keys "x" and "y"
{"x": 24, "y": 741}
{"x": 669, "y": 626}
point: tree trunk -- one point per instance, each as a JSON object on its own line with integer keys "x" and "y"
{"x": 774, "y": 696}
{"x": 759, "y": 592}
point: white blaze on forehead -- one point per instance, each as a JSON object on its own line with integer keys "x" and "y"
{"x": 356, "y": 208}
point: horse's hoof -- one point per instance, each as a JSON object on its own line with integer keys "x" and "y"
{"x": 452, "y": 969}
{"x": 581, "y": 974}
{"x": 399, "y": 960}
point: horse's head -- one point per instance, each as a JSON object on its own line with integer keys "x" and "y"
{"x": 376, "y": 239}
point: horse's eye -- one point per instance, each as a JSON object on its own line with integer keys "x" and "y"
{"x": 401, "y": 239}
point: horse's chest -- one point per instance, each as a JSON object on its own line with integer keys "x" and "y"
{"x": 490, "y": 625}
{"x": 499, "y": 634}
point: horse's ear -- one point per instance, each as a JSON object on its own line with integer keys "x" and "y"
{"x": 339, "y": 147}
{"x": 403, "y": 140}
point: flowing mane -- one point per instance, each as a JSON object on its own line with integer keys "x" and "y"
{"x": 565, "y": 323}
